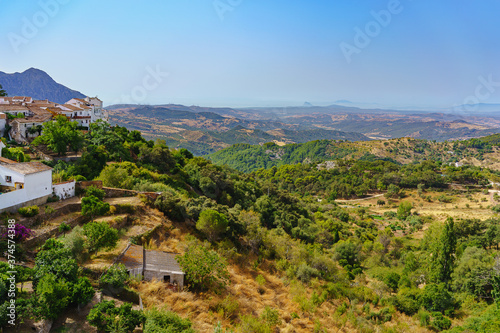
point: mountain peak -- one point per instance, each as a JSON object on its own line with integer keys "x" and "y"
{"x": 36, "y": 83}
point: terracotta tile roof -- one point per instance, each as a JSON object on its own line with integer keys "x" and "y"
{"x": 4, "y": 160}
{"x": 27, "y": 168}
{"x": 9, "y": 107}
{"x": 41, "y": 118}
{"x": 72, "y": 107}
{"x": 38, "y": 110}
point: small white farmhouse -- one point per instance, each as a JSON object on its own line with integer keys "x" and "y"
{"x": 23, "y": 184}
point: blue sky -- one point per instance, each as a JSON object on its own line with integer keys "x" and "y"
{"x": 260, "y": 52}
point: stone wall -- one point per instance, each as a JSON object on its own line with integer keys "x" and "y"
{"x": 40, "y": 239}
{"x": 35, "y": 220}
{"x": 82, "y": 185}
{"x": 118, "y": 192}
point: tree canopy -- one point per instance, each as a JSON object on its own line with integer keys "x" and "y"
{"x": 61, "y": 134}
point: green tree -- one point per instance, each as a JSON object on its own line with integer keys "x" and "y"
{"x": 57, "y": 260}
{"x": 169, "y": 203}
{"x": 495, "y": 293}
{"x": 443, "y": 255}
{"x": 392, "y": 280}
{"x": 158, "y": 157}
{"x": 436, "y": 297}
{"x": 92, "y": 207}
{"x": 60, "y": 134}
{"x": 95, "y": 191}
{"x": 2, "y": 92}
{"x": 116, "y": 276}
{"x": 82, "y": 291}
{"x": 266, "y": 209}
{"x": 52, "y": 296}
{"x": 212, "y": 223}
{"x": 473, "y": 272}
{"x": 393, "y": 191}
{"x": 347, "y": 253}
{"x": 404, "y": 210}
{"x": 203, "y": 267}
{"x": 106, "y": 317}
{"x": 158, "y": 321}
{"x": 100, "y": 236}
{"x": 92, "y": 162}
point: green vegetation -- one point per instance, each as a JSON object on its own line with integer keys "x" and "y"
{"x": 107, "y": 317}
{"x": 61, "y": 135}
{"x": 361, "y": 264}
{"x": 29, "y": 211}
{"x": 99, "y": 236}
{"x": 204, "y": 268}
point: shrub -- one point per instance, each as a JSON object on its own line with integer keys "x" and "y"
{"x": 261, "y": 281}
{"x": 63, "y": 227}
{"x": 228, "y": 307}
{"x": 440, "y": 322}
{"x": 20, "y": 233}
{"x": 436, "y": 297}
{"x": 305, "y": 272}
{"x": 407, "y": 301}
{"x": 52, "y": 198}
{"x": 384, "y": 315}
{"x": 158, "y": 321}
{"x": 271, "y": 316}
{"x": 116, "y": 276}
{"x": 444, "y": 199}
{"x": 106, "y": 317}
{"x": 95, "y": 191}
{"x": 29, "y": 211}
{"x": 251, "y": 324}
{"x": 49, "y": 210}
{"x": 392, "y": 280}
{"x": 92, "y": 206}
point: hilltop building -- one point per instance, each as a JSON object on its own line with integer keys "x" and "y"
{"x": 26, "y": 116}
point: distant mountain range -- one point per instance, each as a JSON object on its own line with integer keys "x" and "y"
{"x": 37, "y": 84}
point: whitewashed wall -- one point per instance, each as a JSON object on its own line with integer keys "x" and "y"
{"x": 64, "y": 190}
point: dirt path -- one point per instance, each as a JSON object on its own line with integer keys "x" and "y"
{"x": 355, "y": 200}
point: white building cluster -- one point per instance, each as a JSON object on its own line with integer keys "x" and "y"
{"x": 30, "y": 114}
{"x": 30, "y": 183}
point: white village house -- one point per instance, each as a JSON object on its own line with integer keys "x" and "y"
{"x": 28, "y": 183}
{"x": 22, "y": 184}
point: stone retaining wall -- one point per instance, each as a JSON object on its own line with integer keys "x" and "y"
{"x": 40, "y": 239}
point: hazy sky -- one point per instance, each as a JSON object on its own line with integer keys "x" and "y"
{"x": 260, "y": 52}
